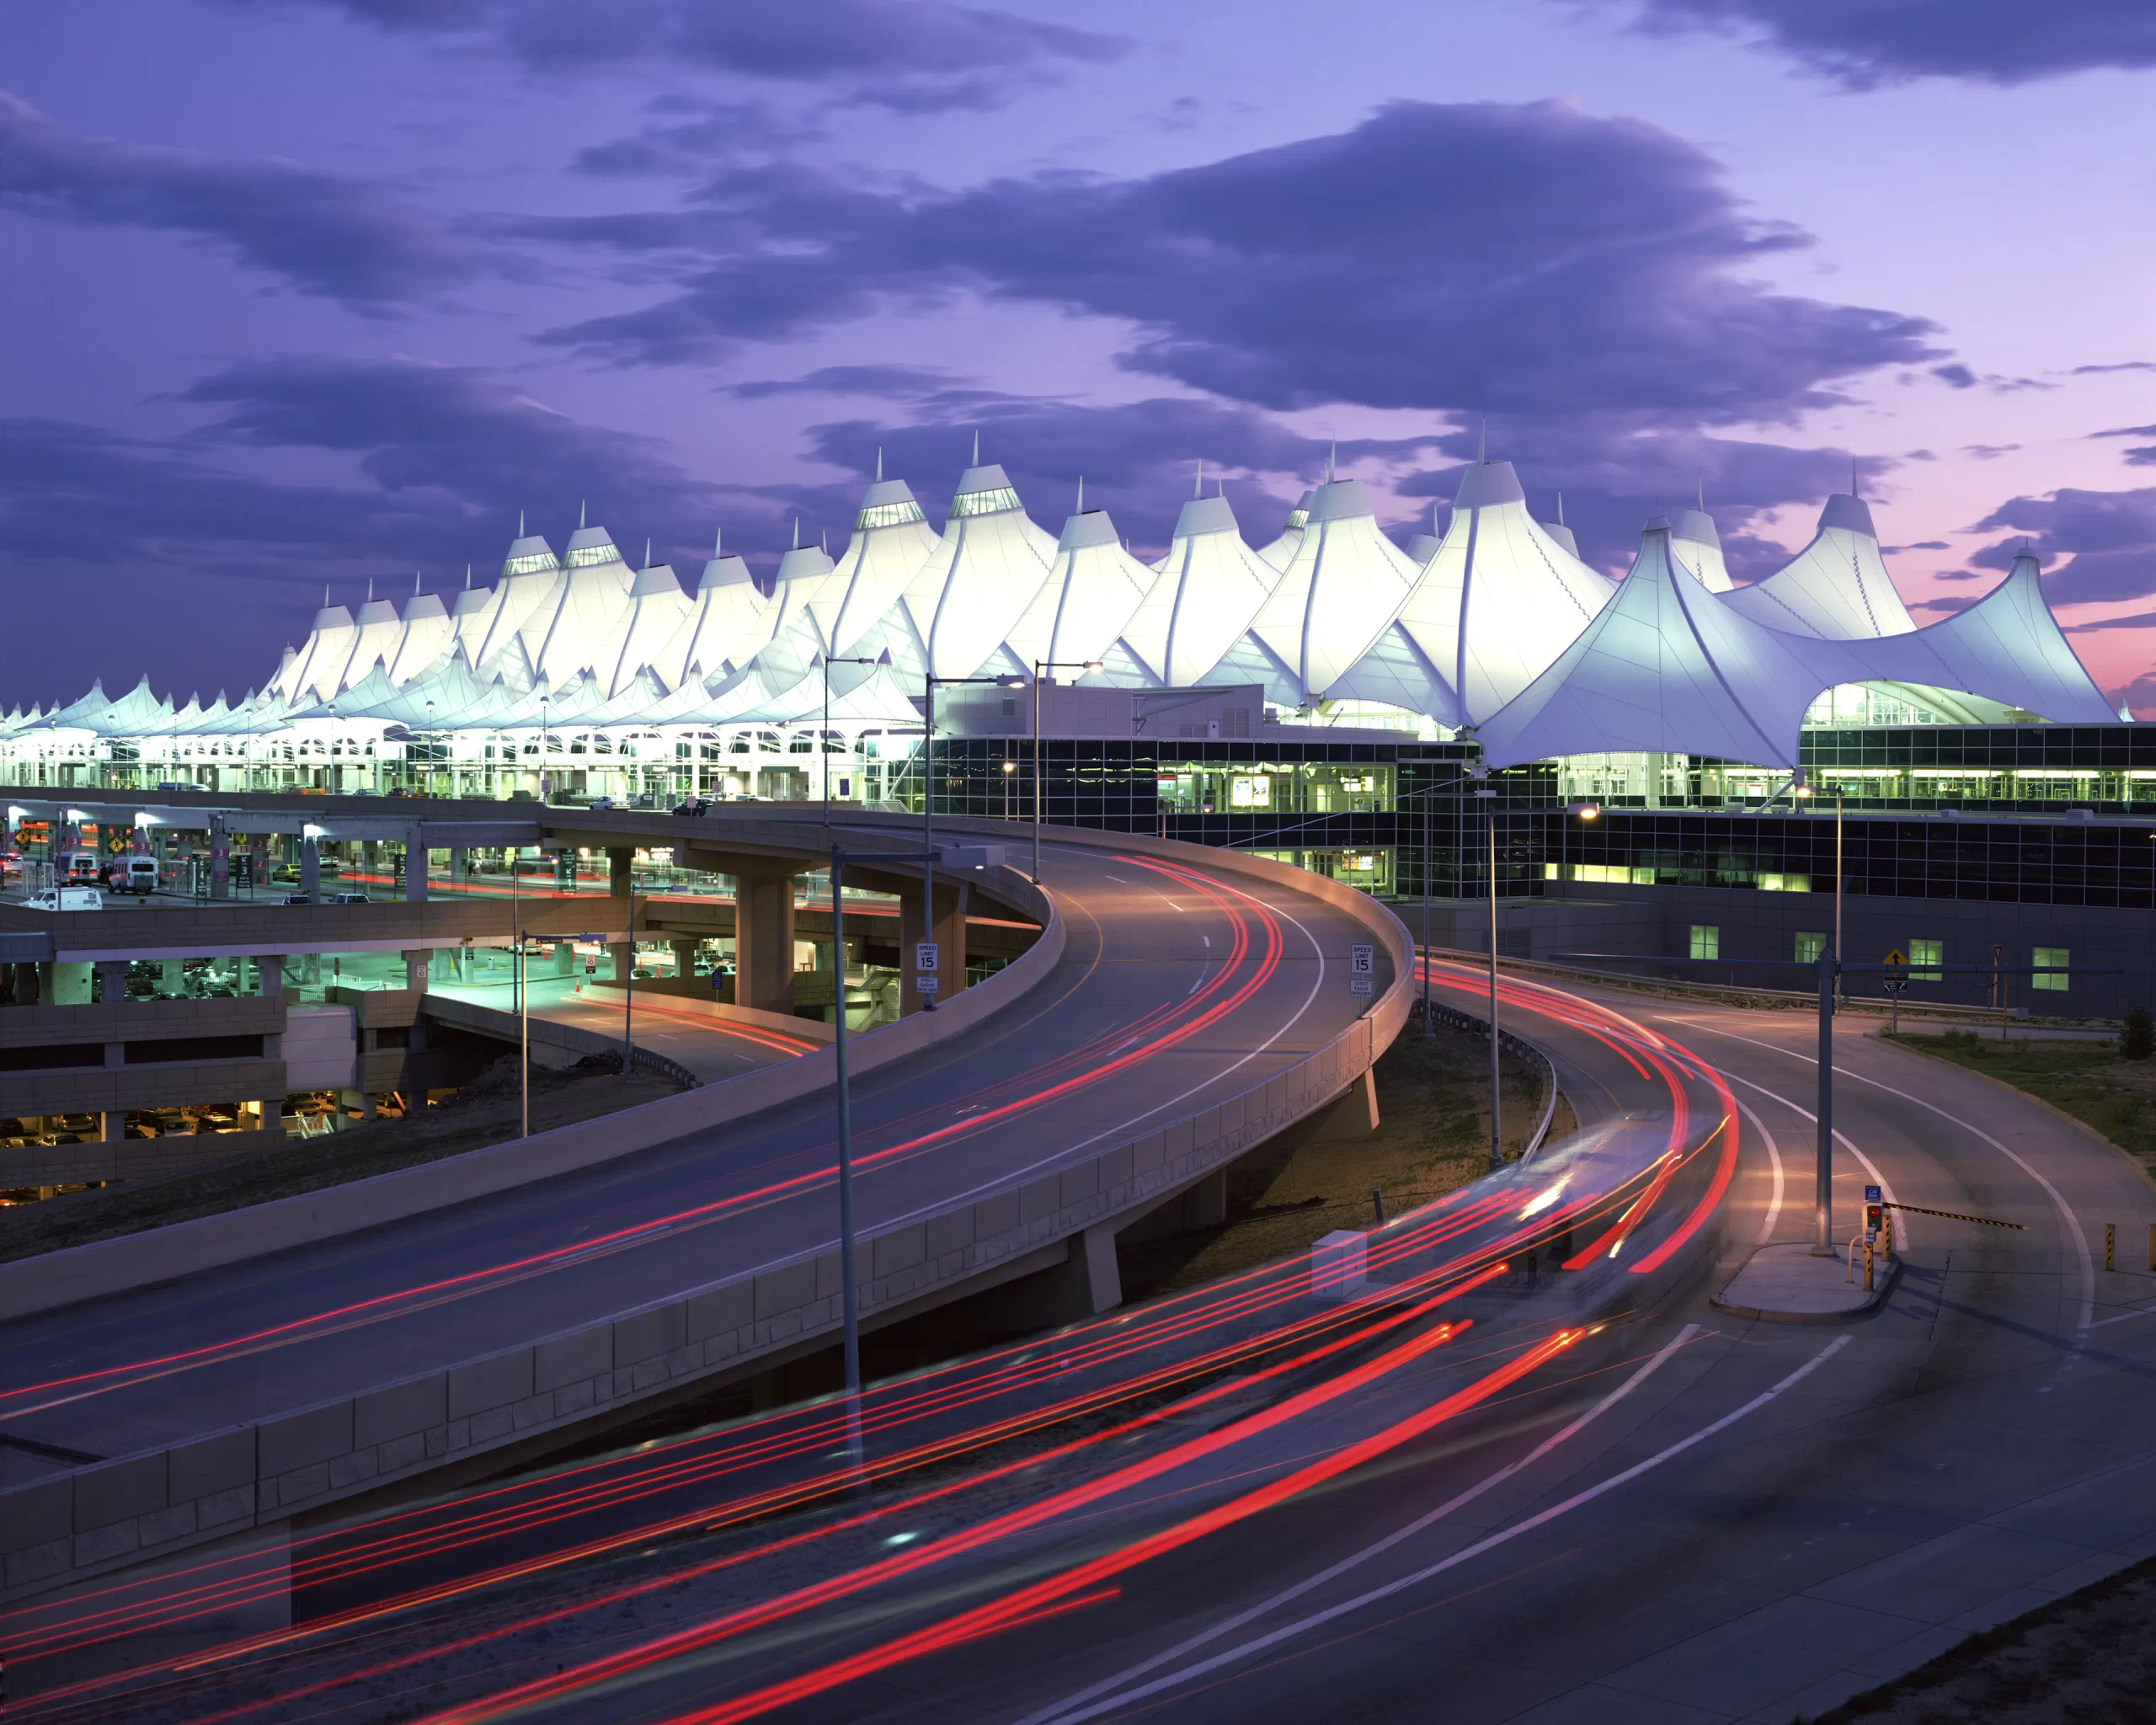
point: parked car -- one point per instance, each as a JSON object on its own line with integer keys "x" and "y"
{"x": 598, "y": 804}
{"x": 66, "y": 898}
{"x": 694, "y": 806}
{"x": 131, "y": 874}
{"x": 346, "y": 898}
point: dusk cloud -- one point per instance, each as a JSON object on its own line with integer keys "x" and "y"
{"x": 1481, "y": 257}
{"x": 1863, "y": 44}
{"x": 328, "y": 234}
{"x": 910, "y": 56}
{"x": 2108, "y": 538}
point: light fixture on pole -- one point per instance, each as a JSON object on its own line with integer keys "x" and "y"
{"x": 823, "y": 736}
{"x": 1082, "y": 667}
{"x": 930, "y": 681}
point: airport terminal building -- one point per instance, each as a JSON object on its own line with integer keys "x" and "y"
{"x": 1669, "y": 762}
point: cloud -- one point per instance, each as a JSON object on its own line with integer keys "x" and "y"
{"x": 2137, "y": 696}
{"x": 2122, "y": 366}
{"x": 909, "y": 55}
{"x": 895, "y": 383}
{"x": 1480, "y": 257}
{"x": 1864, "y": 43}
{"x": 1946, "y": 604}
{"x": 328, "y": 234}
{"x": 690, "y": 136}
{"x": 2138, "y": 620}
{"x": 1988, "y": 451}
{"x": 2108, "y": 538}
{"x": 1959, "y": 376}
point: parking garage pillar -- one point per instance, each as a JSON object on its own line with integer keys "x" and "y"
{"x": 310, "y": 865}
{"x": 619, "y": 882}
{"x": 763, "y": 934}
{"x": 221, "y": 859}
{"x": 685, "y": 959}
{"x": 415, "y": 866}
{"x": 949, "y": 935}
{"x": 112, "y": 1125}
{"x": 112, "y": 981}
{"x": 459, "y": 865}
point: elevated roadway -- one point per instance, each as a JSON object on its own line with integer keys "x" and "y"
{"x": 1194, "y": 1004}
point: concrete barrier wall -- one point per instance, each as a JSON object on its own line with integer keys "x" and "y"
{"x": 141, "y": 1260}
{"x": 106, "y": 1517}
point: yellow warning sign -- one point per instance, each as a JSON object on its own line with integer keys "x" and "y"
{"x": 1895, "y": 958}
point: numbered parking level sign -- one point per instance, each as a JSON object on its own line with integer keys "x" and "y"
{"x": 924, "y": 957}
{"x": 1361, "y": 961}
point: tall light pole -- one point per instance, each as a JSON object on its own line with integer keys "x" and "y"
{"x": 929, "y": 681}
{"x": 824, "y": 737}
{"x": 1489, "y": 813}
{"x": 1040, "y": 665}
{"x": 849, "y": 1296}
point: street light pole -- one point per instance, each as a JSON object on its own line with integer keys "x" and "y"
{"x": 1040, "y": 665}
{"x": 849, "y": 1296}
{"x": 1823, "y": 1183}
{"x": 1496, "y": 1143}
{"x": 1429, "y": 785}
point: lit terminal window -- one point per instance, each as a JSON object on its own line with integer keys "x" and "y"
{"x": 1809, "y": 948}
{"x": 2047, "y": 958}
{"x": 1707, "y": 941}
{"x": 1926, "y": 951}
{"x": 982, "y": 502}
{"x": 585, "y": 555}
{"x": 897, "y": 515}
{"x": 1298, "y": 518}
{"x": 530, "y": 564}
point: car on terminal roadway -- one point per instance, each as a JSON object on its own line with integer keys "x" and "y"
{"x": 694, "y": 806}
{"x": 66, "y": 898}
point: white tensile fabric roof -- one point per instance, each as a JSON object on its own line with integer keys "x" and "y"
{"x": 1836, "y": 587}
{"x": 1496, "y": 626}
{"x": 1207, "y": 592}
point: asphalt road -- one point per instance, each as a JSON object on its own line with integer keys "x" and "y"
{"x": 1144, "y": 954}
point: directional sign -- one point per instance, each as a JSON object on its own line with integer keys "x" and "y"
{"x": 1894, "y": 958}
{"x": 1872, "y": 1194}
{"x": 1360, "y": 987}
{"x": 924, "y": 957}
{"x": 1361, "y": 961}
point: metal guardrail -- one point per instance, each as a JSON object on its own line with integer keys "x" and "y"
{"x": 643, "y": 1059}
{"x": 1520, "y": 1046}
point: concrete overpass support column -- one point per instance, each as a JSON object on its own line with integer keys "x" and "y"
{"x": 415, "y": 970}
{"x": 763, "y": 936}
{"x": 370, "y": 858}
{"x": 460, "y": 864}
{"x": 1353, "y": 1117}
{"x": 949, "y": 934}
{"x": 310, "y": 865}
{"x": 685, "y": 959}
{"x": 1084, "y": 1284}
{"x": 619, "y": 881}
{"x": 1205, "y": 1205}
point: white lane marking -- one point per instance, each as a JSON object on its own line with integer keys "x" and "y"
{"x": 1207, "y": 938}
{"x": 1203, "y": 969}
{"x": 1774, "y": 1156}
{"x": 2058, "y": 1201}
{"x": 1228, "y": 1626}
{"x": 1114, "y": 878}
{"x": 2139, "y": 1312}
{"x": 1303, "y": 1626}
{"x": 1886, "y": 1185}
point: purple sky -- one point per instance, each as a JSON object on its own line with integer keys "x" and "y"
{"x": 321, "y": 290}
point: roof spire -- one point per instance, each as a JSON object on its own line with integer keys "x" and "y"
{"x": 1560, "y": 509}
{"x": 1331, "y": 453}
{"x": 1198, "y": 489}
{"x": 579, "y": 512}
{"x": 796, "y": 532}
{"x": 823, "y": 541}
{"x": 1703, "y": 495}
{"x": 325, "y": 596}
{"x": 369, "y": 589}
{"x": 1482, "y": 443}
{"x": 718, "y": 539}
{"x": 1854, "y": 492}
{"x": 880, "y": 464}
{"x": 976, "y": 446}
{"x": 415, "y": 584}
{"x": 467, "y": 577}
{"x": 520, "y": 523}
{"x": 1081, "y": 509}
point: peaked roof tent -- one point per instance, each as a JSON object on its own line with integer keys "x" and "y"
{"x": 529, "y": 554}
{"x": 1665, "y": 668}
{"x": 2007, "y": 647}
{"x": 724, "y": 625}
{"x": 327, "y": 650}
{"x": 1837, "y": 588}
{"x": 656, "y": 609}
{"x": 1088, "y": 596}
{"x": 1495, "y": 603}
{"x": 1339, "y": 590}
{"x": 1693, "y": 542}
{"x": 427, "y": 631}
{"x": 977, "y": 581}
{"x": 1281, "y": 551}
{"x": 1208, "y": 592}
{"x": 892, "y": 541}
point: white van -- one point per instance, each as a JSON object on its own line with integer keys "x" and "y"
{"x": 131, "y": 874}
{"x": 66, "y": 898}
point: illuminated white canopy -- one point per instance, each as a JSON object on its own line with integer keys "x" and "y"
{"x": 656, "y": 609}
{"x": 1207, "y": 593}
{"x": 1836, "y": 588}
{"x": 1090, "y": 594}
{"x": 1341, "y": 588}
{"x": 723, "y": 626}
{"x": 428, "y": 632}
{"x": 1694, "y": 543}
{"x": 982, "y": 573}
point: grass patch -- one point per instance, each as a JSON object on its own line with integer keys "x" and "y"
{"x": 2087, "y": 1079}
{"x": 1433, "y": 1138}
{"x": 486, "y": 1111}
{"x": 2085, "y": 1658}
